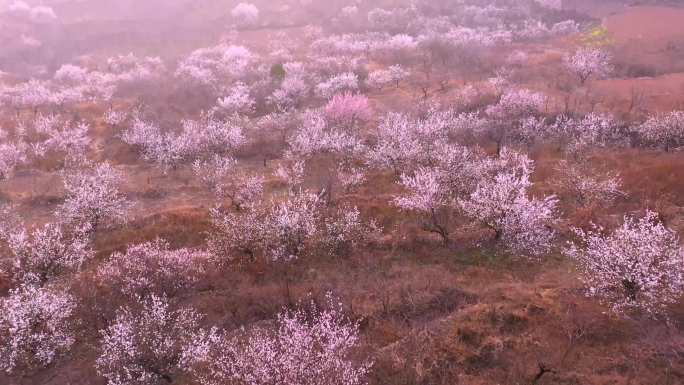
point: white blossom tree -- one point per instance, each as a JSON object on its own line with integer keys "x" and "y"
{"x": 405, "y": 143}
{"x": 212, "y": 67}
{"x": 511, "y": 119}
{"x": 93, "y": 197}
{"x": 227, "y": 180}
{"x": 114, "y": 118}
{"x": 28, "y": 95}
{"x": 394, "y": 74}
{"x": 315, "y": 136}
{"x": 519, "y": 223}
{"x": 306, "y": 348}
{"x": 70, "y": 139}
{"x": 664, "y": 130}
{"x": 426, "y": 194}
{"x": 245, "y": 14}
{"x": 279, "y": 230}
{"x": 291, "y": 93}
{"x": 196, "y": 139}
{"x": 588, "y": 63}
{"x": 209, "y": 135}
{"x": 36, "y": 328}
{"x": 550, "y": 4}
{"x": 291, "y": 172}
{"x": 154, "y": 145}
{"x": 130, "y": 69}
{"x": 39, "y": 256}
{"x": 591, "y": 131}
{"x": 239, "y": 235}
{"x": 292, "y": 226}
{"x": 153, "y": 268}
{"x": 336, "y": 84}
{"x": 589, "y": 187}
{"x": 237, "y": 100}
{"x": 457, "y": 170}
{"x": 397, "y": 74}
{"x": 12, "y": 155}
{"x": 638, "y": 266}
{"x": 379, "y": 79}
{"x": 144, "y": 343}
{"x": 344, "y": 231}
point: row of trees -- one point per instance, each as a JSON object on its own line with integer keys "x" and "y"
{"x": 639, "y": 265}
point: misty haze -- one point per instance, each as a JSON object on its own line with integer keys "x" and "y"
{"x": 341, "y": 192}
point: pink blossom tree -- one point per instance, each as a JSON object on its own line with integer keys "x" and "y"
{"x": 144, "y": 343}
{"x": 153, "y": 268}
{"x": 348, "y": 110}
{"x": 36, "y": 328}
{"x": 306, "y": 348}
{"x": 639, "y": 266}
